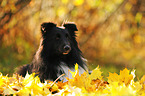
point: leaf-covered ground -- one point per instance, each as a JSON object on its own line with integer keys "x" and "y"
{"x": 81, "y": 85}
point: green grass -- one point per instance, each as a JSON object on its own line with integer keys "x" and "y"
{"x": 16, "y": 55}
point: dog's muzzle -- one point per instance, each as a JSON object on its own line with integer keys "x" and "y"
{"x": 66, "y": 49}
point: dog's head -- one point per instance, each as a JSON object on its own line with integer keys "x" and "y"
{"x": 59, "y": 40}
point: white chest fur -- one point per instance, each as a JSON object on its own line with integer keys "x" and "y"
{"x": 64, "y": 68}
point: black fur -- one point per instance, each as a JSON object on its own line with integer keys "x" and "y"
{"x": 57, "y": 45}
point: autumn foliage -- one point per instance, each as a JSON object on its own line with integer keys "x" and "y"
{"x": 111, "y": 34}
{"x": 81, "y": 85}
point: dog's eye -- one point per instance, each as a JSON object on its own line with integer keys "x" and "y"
{"x": 58, "y": 36}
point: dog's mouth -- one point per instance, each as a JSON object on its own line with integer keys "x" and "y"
{"x": 65, "y": 53}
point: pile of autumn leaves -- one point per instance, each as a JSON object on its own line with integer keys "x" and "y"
{"x": 84, "y": 84}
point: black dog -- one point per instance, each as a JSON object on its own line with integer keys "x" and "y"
{"x": 58, "y": 52}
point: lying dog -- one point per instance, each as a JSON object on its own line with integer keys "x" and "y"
{"x": 58, "y": 52}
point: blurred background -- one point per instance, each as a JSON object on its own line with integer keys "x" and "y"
{"x": 111, "y": 32}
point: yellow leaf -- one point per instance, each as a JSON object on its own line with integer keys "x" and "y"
{"x": 76, "y": 71}
{"x": 30, "y": 78}
{"x": 9, "y": 91}
{"x": 115, "y": 89}
{"x": 77, "y": 80}
{"x": 142, "y": 81}
{"x": 136, "y": 86}
{"x": 54, "y": 88}
{"x": 125, "y": 77}
{"x": 113, "y": 77}
{"x": 85, "y": 80}
{"x": 84, "y": 84}
{"x": 96, "y": 74}
{"x": 1, "y": 81}
{"x": 24, "y": 92}
{"x": 36, "y": 89}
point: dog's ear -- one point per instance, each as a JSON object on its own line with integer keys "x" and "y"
{"x": 46, "y": 27}
{"x": 70, "y": 26}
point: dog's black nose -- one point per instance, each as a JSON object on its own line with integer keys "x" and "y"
{"x": 67, "y": 48}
